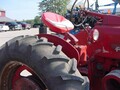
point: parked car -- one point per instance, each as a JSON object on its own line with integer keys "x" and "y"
{"x": 25, "y": 25}
{"x": 14, "y": 26}
{"x": 4, "y": 27}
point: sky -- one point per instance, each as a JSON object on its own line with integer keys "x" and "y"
{"x": 101, "y": 2}
{"x": 20, "y": 9}
{"x": 26, "y": 9}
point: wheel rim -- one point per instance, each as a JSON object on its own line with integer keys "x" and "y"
{"x": 25, "y": 84}
{"x": 12, "y": 78}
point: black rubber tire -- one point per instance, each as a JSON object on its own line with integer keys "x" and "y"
{"x": 57, "y": 71}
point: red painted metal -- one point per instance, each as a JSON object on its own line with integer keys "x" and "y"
{"x": 72, "y": 38}
{"x": 70, "y": 51}
{"x": 57, "y": 22}
{"x": 83, "y": 55}
{"x": 106, "y": 19}
{"x": 25, "y": 84}
{"x": 112, "y": 80}
{"x": 96, "y": 58}
{"x": 17, "y": 75}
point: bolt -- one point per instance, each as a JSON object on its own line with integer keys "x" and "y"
{"x": 99, "y": 66}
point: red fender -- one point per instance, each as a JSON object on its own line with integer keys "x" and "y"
{"x": 67, "y": 48}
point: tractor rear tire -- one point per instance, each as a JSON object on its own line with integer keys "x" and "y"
{"x": 51, "y": 69}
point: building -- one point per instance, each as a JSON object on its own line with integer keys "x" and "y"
{"x": 3, "y": 17}
{"x": 2, "y": 13}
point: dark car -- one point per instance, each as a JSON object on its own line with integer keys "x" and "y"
{"x": 25, "y": 25}
{"x": 13, "y": 26}
{"x": 36, "y": 25}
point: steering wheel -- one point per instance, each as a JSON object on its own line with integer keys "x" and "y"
{"x": 80, "y": 16}
{"x": 83, "y": 18}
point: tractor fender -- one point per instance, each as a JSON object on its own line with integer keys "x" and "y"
{"x": 67, "y": 48}
{"x": 112, "y": 80}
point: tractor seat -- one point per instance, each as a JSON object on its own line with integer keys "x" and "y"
{"x": 56, "y": 22}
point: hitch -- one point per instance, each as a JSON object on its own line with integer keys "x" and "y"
{"x": 42, "y": 29}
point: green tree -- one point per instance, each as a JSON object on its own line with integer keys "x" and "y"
{"x": 57, "y": 6}
{"x": 37, "y": 19}
{"x": 29, "y": 21}
{"x": 33, "y": 21}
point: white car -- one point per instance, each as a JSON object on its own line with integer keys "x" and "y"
{"x": 18, "y": 27}
{"x": 4, "y": 27}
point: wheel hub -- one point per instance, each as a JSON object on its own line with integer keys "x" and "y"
{"x": 25, "y": 84}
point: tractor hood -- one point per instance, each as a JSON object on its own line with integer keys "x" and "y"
{"x": 109, "y": 41}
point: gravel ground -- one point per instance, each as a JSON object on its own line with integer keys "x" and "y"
{"x": 5, "y": 36}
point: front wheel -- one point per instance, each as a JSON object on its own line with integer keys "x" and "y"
{"x": 30, "y": 63}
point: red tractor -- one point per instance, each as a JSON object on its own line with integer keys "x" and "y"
{"x": 88, "y": 60}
